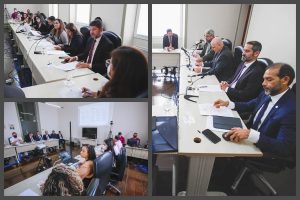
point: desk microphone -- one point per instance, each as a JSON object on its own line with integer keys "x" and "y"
{"x": 204, "y": 74}
{"x": 200, "y": 41}
{"x": 22, "y": 24}
{"x": 39, "y": 40}
{"x": 185, "y": 51}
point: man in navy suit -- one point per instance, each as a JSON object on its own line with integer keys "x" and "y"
{"x": 170, "y": 40}
{"x": 272, "y": 127}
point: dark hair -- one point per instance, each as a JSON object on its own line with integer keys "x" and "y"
{"x": 51, "y": 18}
{"x": 284, "y": 70}
{"x": 97, "y": 23}
{"x": 130, "y": 76}
{"x": 91, "y": 152}
{"x": 98, "y": 18}
{"x": 71, "y": 27}
{"x": 169, "y": 30}
{"x": 117, "y": 137}
{"x": 119, "y": 133}
{"x": 44, "y": 16}
{"x": 61, "y": 28}
{"x": 256, "y": 46}
{"x": 110, "y": 144}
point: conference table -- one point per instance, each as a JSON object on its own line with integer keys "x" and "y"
{"x": 202, "y": 155}
{"x": 162, "y": 58}
{"x": 42, "y": 66}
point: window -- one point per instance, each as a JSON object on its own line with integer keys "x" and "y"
{"x": 95, "y": 114}
{"x": 53, "y": 10}
{"x": 82, "y": 13}
{"x": 166, "y": 16}
{"x": 142, "y": 20}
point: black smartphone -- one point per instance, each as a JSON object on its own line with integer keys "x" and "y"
{"x": 211, "y": 136}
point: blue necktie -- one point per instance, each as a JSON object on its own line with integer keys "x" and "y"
{"x": 261, "y": 113}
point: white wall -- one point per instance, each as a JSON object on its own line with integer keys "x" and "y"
{"x": 274, "y": 25}
{"x": 129, "y": 23}
{"x": 64, "y": 12}
{"x": 222, "y": 18}
{"x": 48, "y": 117}
{"x": 11, "y": 117}
{"x": 44, "y": 8}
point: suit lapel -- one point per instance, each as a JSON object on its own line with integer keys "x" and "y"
{"x": 250, "y": 68}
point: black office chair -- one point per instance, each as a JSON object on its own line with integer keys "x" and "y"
{"x": 9, "y": 141}
{"x": 294, "y": 88}
{"x": 11, "y": 91}
{"x": 102, "y": 170}
{"x": 238, "y": 52}
{"x": 266, "y": 62}
{"x": 114, "y": 38}
{"x": 227, "y": 43}
{"x": 117, "y": 173}
{"x": 267, "y": 163}
{"x": 85, "y": 31}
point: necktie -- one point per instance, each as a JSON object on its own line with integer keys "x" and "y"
{"x": 170, "y": 40}
{"x": 91, "y": 52}
{"x": 261, "y": 113}
{"x": 238, "y": 75}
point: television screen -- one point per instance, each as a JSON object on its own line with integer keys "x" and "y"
{"x": 89, "y": 133}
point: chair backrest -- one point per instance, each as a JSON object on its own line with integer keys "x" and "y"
{"x": 265, "y": 62}
{"x": 9, "y": 141}
{"x": 238, "y": 52}
{"x": 102, "y": 169}
{"x": 114, "y": 38}
{"x": 85, "y": 31}
{"x": 294, "y": 88}
{"x": 227, "y": 43}
{"x": 121, "y": 162}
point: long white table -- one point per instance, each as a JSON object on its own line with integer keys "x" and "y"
{"x": 161, "y": 58}
{"x": 58, "y": 89}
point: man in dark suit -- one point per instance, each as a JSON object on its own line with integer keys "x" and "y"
{"x": 170, "y": 40}
{"x": 273, "y": 123}
{"x": 97, "y": 50}
{"x": 222, "y": 63}
{"x": 207, "y": 53}
{"x": 46, "y": 136}
{"x": 245, "y": 84}
{"x": 29, "y": 138}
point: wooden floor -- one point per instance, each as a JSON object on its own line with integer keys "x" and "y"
{"x": 134, "y": 183}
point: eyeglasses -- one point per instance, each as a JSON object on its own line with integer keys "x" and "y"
{"x": 107, "y": 63}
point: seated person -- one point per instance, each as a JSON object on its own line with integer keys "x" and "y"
{"x": 46, "y": 136}
{"x": 75, "y": 45}
{"x": 63, "y": 181}
{"x": 14, "y": 15}
{"x": 86, "y": 169}
{"x": 128, "y": 72}
{"x": 207, "y": 53}
{"x": 97, "y": 51}
{"x": 38, "y": 136}
{"x": 30, "y": 138}
{"x": 122, "y": 139}
{"x": 41, "y": 25}
{"x": 61, "y": 139}
{"x": 58, "y": 33}
{"x": 170, "y": 40}
{"x": 50, "y": 25}
{"x": 15, "y": 140}
{"x": 272, "y": 127}
{"x": 117, "y": 146}
{"x": 135, "y": 138}
{"x": 53, "y": 135}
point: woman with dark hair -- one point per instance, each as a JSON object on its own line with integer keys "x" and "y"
{"x": 75, "y": 45}
{"x": 86, "y": 169}
{"x": 63, "y": 181}
{"x": 40, "y": 24}
{"x": 128, "y": 73}
{"x": 58, "y": 33}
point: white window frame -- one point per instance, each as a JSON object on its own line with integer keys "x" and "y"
{"x": 73, "y": 15}
{"x": 52, "y": 11}
{"x": 136, "y": 35}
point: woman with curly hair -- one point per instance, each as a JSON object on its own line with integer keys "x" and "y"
{"x": 63, "y": 181}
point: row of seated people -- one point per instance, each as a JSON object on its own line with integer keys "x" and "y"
{"x": 84, "y": 172}
{"x": 101, "y": 51}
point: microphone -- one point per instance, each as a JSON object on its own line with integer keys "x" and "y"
{"x": 204, "y": 74}
{"x": 185, "y": 51}
{"x": 22, "y": 24}
{"x": 200, "y": 41}
{"x": 39, "y": 40}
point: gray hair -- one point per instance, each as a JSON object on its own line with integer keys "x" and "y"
{"x": 210, "y": 32}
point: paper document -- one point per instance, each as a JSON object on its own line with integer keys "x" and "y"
{"x": 209, "y": 88}
{"x": 56, "y": 52}
{"x": 35, "y": 33}
{"x": 67, "y": 66}
{"x": 28, "y": 192}
{"x": 209, "y": 109}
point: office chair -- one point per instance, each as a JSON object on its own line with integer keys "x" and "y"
{"x": 267, "y": 163}
{"x": 227, "y": 43}
{"x": 11, "y": 91}
{"x": 265, "y": 62}
{"x": 102, "y": 170}
{"x": 118, "y": 171}
{"x": 238, "y": 52}
{"x": 9, "y": 141}
{"x": 294, "y": 88}
{"x": 85, "y": 31}
{"x": 114, "y": 38}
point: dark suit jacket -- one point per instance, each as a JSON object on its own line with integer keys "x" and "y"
{"x": 166, "y": 42}
{"x": 27, "y": 138}
{"x": 210, "y": 54}
{"x": 45, "y": 138}
{"x": 75, "y": 47}
{"x": 43, "y": 29}
{"x": 249, "y": 84}
{"x": 102, "y": 53}
{"x": 278, "y": 130}
{"x": 221, "y": 64}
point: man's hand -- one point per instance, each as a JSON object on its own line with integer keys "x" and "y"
{"x": 238, "y": 134}
{"x": 82, "y": 65}
{"x": 218, "y": 103}
{"x": 88, "y": 93}
{"x": 70, "y": 59}
{"x": 224, "y": 85}
{"x": 56, "y": 47}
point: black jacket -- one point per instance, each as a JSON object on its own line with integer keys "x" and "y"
{"x": 166, "y": 42}
{"x": 75, "y": 47}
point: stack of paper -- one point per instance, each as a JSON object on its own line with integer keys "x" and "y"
{"x": 35, "y": 33}
{"x": 56, "y": 52}
{"x": 209, "y": 109}
{"x": 67, "y": 66}
{"x": 209, "y": 88}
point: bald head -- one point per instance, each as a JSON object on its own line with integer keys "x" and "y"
{"x": 217, "y": 44}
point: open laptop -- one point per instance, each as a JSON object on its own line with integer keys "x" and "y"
{"x": 67, "y": 158}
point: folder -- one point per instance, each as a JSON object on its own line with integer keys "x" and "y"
{"x": 165, "y": 136}
{"x": 226, "y": 123}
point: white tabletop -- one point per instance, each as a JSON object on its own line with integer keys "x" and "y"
{"x": 58, "y": 89}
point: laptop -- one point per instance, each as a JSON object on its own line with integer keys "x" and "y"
{"x": 66, "y": 158}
